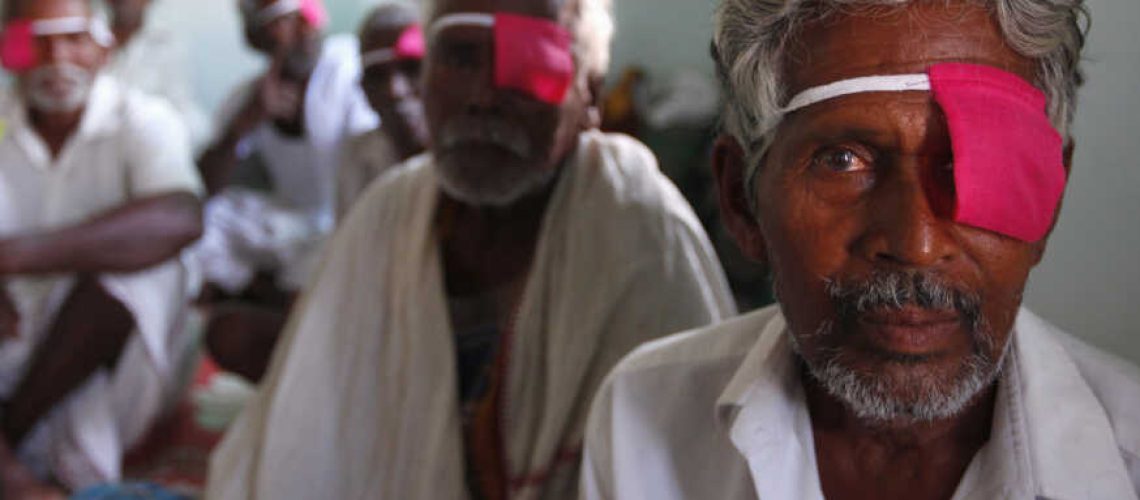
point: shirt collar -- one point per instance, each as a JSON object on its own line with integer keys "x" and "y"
{"x": 1046, "y": 415}
{"x": 100, "y": 117}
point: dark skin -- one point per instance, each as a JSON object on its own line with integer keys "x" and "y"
{"x": 92, "y": 327}
{"x": 393, "y": 91}
{"x": 127, "y": 19}
{"x": 486, "y": 247}
{"x": 277, "y": 97}
{"x": 859, "y": 184}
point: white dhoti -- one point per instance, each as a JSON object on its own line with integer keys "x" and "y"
{"x": 83, "y": 439}
{"x": 361, "y": 398}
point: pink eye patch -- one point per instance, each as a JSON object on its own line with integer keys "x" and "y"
{"x": 532, "y": 55}
{"x": 17, "y": 42}
{"x": 1009, "y": 172}
{"x": 17, "y": 46}
{"x": 409, "y": 47}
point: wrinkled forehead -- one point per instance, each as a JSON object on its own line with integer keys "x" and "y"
{"x": 898, "y": 40}
{"x": 555, "y": 10}
{"x": 49, "y": 9}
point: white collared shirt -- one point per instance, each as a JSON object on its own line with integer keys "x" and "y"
{"x": 128, "y": 146}
{"x": 720, "y": 413}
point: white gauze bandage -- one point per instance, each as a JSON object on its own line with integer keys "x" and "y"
{"x": 94, "y": 26}
{"x": 266, "y": 15}
{"x": 463, "y": 19}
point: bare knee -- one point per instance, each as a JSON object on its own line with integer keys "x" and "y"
{"x": 241, "y": 339}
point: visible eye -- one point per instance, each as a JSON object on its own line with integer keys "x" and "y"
{"x": 841, "y": 160}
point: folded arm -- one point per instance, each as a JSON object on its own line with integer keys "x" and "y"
{"x": 131, "y": 237}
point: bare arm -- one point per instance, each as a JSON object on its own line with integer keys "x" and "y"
{"x": 269, "y": 98}
{"x": 217, "y": 162}
{"x": 131, "y": 237}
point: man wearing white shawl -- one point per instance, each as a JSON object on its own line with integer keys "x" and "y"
{"x": 476, "y": 296}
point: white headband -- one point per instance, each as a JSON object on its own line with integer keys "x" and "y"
{"x": 875, "y": 83}
{"x": 275, "y": 10}
{"x": 463, "y": 19}
{"x": 878, "y": 83}
{"x": 96, "y": 27}
{"x": 377, "y": 56}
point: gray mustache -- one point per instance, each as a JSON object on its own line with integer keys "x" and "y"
{"x": 494, "y": 131}
{"x": 898, "y": 289}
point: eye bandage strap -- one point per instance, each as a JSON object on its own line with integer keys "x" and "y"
{"x": 312, "y": 11}
{"x": 879, "y": 83}
{"x": 1008, "y": 164}
{"x": 532, "y": 55}
{"x": 17, "y": 42}
{"x": 97, "y": 28}
{"x": 409, "y": 47}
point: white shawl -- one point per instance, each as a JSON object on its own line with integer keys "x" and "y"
{"x": 361, "y": 401}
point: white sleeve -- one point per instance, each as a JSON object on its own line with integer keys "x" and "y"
{"x": 157, "y": 149}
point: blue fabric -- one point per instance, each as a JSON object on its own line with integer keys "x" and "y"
{"x": 128, "y": 491}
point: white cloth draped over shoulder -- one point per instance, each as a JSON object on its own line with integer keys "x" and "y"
{"x": 361, "y": 398}
{"x": 128, "y": 146}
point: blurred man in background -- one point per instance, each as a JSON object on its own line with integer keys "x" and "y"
{"x": 290, "y": 126}
{"x": 474, "y": 298}
{"x": 391, "y": 56}
{"x": 100, "y": 196}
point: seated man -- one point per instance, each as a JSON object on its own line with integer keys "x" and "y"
{"x": 391, "y": 53}
{"x": 150, "y": 58}
{"x": 475, "y": 297}
{"x": 899, "y": 168}
{"x": 100, "y": 196}
{"x": 290, "y": 125}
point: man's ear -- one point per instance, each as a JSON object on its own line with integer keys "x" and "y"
{"x": 1067, "y": 158}
{"x": 729, "y": 165}
{"x": 1067, "y": 155}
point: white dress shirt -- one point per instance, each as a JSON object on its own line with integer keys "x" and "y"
{"x": 128, "y": 146}
{"x": 720, "y": 413}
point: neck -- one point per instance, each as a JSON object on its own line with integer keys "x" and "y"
{"x": 124, "y": 34}
{"x": 486, "y": 247}
{"x": 402, "y": 139}
{"x": 55, "y": 127}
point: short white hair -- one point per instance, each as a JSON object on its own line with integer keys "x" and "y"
{"x": 593, "y": 31}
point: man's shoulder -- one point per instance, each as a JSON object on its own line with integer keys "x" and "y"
{"x": 398, "y": 186}
{"x": 1113, "y": 381}
{"x": 720, "y": 347}
{"x": 619, "y": 176}
{"x": 137, "y": 103}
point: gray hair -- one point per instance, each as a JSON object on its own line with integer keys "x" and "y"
{"x": 752, "y": 37}
{"x": 593, "y": 31}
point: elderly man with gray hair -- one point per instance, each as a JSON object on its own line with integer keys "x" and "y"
{"x": 475, "y": 297}
{"x": 899, "y": 165}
